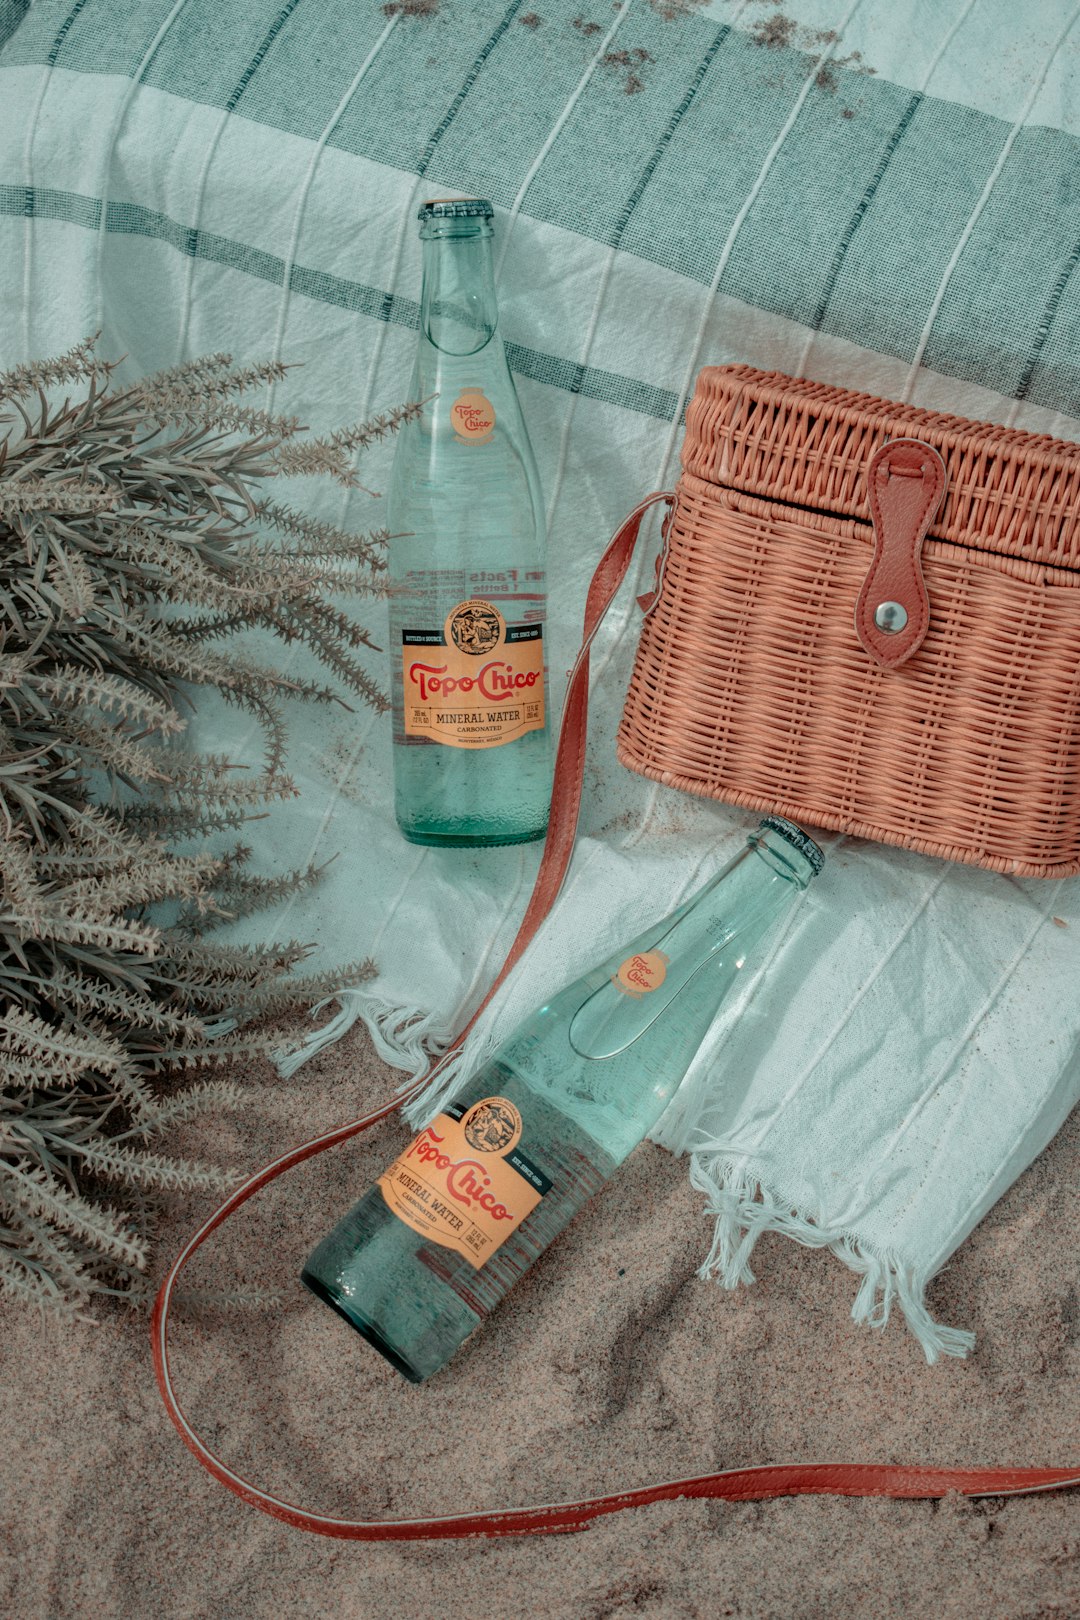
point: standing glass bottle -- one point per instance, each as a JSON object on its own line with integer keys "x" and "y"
{"x": 471, "y": 748}
{"x": 477, "y": 1197}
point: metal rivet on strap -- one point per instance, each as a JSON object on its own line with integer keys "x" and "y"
{"x": 890, "y": 617}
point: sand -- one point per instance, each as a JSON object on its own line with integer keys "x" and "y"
{"x": 611, "y": 1364}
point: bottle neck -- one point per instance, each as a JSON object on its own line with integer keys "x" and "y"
{"x": 458, "y": 312}
{"x": 722, "y": 923}
{"x": 764, "y": 877}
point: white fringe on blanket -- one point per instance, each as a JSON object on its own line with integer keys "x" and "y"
{"x": 405, "y": 1037}
{"x": 743, "y": 1207}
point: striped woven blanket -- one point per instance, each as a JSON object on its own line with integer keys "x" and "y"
{"x": 880, "y": 195}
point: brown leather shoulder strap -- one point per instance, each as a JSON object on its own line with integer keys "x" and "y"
{"x": 738, "y": 1484}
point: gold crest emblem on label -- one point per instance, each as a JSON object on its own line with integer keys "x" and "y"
{"x": 492, "y": 1126}
{"x": 474, "y": 627}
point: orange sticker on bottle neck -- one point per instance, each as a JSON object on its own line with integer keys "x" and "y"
{"x": 472, "y": 416}
{"x": 641, "y": 973}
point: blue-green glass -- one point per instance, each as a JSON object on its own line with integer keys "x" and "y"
{"x": 468, "y": 523}
{"x": 590, "y": 1073}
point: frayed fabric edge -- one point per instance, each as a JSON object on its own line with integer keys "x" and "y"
{"x": 744, "y": 1209}
{"x": 405, "y": 1037}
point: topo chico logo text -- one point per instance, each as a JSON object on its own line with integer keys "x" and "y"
{"x": 472, "y": 416}
{"x": 466, "y": 1181}
{"x": 641, "y": 973}
{"x": 497, "y": 681}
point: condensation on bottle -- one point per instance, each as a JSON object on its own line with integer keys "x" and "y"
{"x": 474, "y": 1200}
{"x": 472, "y": 762}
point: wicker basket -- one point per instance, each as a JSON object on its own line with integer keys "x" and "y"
{"x": 752, "y": 684}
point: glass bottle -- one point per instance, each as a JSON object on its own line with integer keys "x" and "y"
{"x": 471, "y": 747}
{"x": 477, "y": 1197}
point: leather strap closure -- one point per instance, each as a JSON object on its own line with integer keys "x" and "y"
{"x": 906, "y": 481}
{"x": 731, "y": 1484}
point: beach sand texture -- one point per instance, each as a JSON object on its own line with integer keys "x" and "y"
{"x": 612, "y": 1364}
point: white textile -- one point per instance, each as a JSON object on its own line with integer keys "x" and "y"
{"x": 914, "y": 1043}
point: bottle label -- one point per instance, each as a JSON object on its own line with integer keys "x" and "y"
{"x": 463, "y": 1182}
{"x": 476, "y": 683}
{"x": 472, "y": 417}
{"x": 641, "y": 973}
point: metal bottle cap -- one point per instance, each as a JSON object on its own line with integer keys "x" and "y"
{"x": 797, "y": 839}
{"x": 456, "y": 208}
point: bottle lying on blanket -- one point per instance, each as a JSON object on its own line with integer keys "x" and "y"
{"x": 477, "y": 1197}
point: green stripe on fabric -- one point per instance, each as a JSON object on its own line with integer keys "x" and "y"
{"x": 667, "y": 136}
{"x": 852, "y": 230}
{"x": 860, "y": 213}
{"x": 260, "y": 55}
{"x": 40, "y": 203}
{"x": 236, "y": 94}
{"x": 12, "y": 13}
{"x": 1023, "y": 387}
{"x": 130, "y": 219}
{"x": 579, "y": 381}
{"x": 447, "y": 120}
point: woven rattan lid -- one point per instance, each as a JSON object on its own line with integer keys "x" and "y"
{"x": 807, "y": 444}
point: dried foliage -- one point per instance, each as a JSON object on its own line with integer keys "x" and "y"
{"x": 135, "y": 537}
